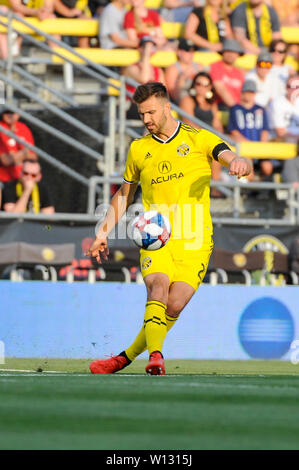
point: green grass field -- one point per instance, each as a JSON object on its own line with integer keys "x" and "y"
{"x": 197, "y": 405}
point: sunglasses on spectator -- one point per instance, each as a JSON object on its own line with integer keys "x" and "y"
{"x": 202, "y": 84}
{"x": 280, "y": 51}
{"x": 26, "y": 173}
{"x": 265, "y": 65}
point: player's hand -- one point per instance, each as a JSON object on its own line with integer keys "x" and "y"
{"x": 240, "y": 167}
{"x": 98, "y": 248}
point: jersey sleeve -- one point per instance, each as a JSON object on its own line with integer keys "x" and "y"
{"x": 275, "y": 23}
{"x": 238, "y": 17}
{"x": 132, "y": 173}
{"x": 214, "y": 145}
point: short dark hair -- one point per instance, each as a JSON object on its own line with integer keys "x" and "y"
{"x": 143, "y": 92}
{"x": 274, "y": 43}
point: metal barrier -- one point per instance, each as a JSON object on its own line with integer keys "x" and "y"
{"x": 48, "y": 158}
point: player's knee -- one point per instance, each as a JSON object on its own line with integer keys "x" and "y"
{"x": 174, "y": 308}
{"x": 157, "y": 291}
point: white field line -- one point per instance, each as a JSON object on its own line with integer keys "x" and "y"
{"x": 31, "y": 370}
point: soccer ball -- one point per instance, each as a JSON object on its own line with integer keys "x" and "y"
{"x": 151, "y": 230}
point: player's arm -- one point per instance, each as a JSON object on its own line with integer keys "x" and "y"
{"x": 118, "y": 206}
{"x": 238, "y": 166}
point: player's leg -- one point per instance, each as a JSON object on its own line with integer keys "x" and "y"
{"x": 188, "y": 276}
{"x": 178, "y": 298}
{"x": 152, "y": 263}
{"x": 150, "y": 337}
{"x": 180, "y": 294}
{"x": 155, "y": 328}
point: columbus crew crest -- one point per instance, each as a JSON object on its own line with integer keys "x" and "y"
{"x": 183, "y": 150}
{"x": 146, "y": 262}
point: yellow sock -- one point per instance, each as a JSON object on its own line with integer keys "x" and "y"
{"x": 155, "y": 327}
{"x": 170, "y": 321}
{"x": 139, "y": 344}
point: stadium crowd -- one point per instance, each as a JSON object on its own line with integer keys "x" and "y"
{"x": 261, "y": 104}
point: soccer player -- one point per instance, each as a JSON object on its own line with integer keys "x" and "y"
{"x": 173, "y": 165}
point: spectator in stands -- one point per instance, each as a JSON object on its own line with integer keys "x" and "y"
{"x": 285, "y": 122}
{"x": 284, "y": 111}
{"x": 177, "y": 11}
{"x": 179, "y": 75}
{"x": 201, "y": 103}
{"x": 207, "y": 27}
{"x": 41, "y": 9}
{"x": 143, "y": 71}
{"x": 28, "y": 193}
{"x": 248, "y": 122}
{"x": 12, "y": 153}
{"x": 141, "y": 21}
{"x": 255, "y": 24}
{"x": 73, "y": 9}
{"x": 279, "y": 50}
{"x": 111, "y": 27}
{"x": 268, "y": 85}
{"x": 227, "y": 78}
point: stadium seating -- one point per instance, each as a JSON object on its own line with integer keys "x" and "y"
{"x": 90, "y": 27}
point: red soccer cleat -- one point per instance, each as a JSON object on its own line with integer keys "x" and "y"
{"x": 156, "y": 364}
{"x": 109, "y": 366}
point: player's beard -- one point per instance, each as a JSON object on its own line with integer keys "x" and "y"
{"x": 159, "y": 126}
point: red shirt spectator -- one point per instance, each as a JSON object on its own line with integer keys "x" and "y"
{"x": 228, "y": 79}
{"x": 140, "y": 21}
{"x": 13, "y": 153}
{"x": 232, "y": 78}
{"x": 150, "y": 21}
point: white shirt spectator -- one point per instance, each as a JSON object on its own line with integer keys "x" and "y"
{"x": 268, "y": 89}
{"x": 111, "y": 21}
{"x": 284, "y": 114}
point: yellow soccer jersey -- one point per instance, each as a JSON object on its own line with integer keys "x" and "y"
{"x": 175, "y": 179}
